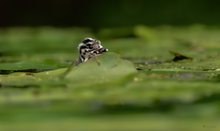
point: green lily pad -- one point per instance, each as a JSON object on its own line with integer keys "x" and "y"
{"x": 25, "y": 66}
{"x": 106, "y": 68}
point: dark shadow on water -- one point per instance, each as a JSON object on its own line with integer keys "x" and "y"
{"x": 132, "y": 108}
{"x": 209, "y": 98}
{"x": 5, "y": 72}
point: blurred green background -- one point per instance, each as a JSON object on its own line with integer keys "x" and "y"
{"x": 162, "y": 72}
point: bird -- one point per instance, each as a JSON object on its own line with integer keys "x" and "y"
{"x": 89, "y": 48}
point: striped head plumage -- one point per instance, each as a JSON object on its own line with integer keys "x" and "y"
{"x": 89, "y": 48}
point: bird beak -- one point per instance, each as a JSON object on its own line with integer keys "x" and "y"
{"x": 102, "y": 50}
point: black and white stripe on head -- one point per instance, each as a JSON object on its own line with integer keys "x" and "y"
{"x": 88, "y": 40}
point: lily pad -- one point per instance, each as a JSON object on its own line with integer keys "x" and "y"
{"x": 25, "y": 66}
{"x": 106, "y": 68}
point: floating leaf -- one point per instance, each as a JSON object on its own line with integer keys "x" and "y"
{"x": 25, "y": 66}
{"x": 111, "y": 68}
